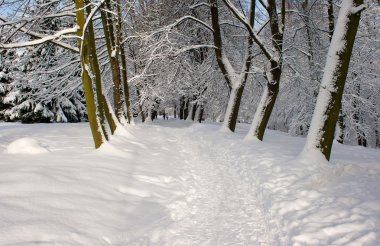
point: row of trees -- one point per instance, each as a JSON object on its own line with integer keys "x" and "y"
{"x": 199, "y": 57}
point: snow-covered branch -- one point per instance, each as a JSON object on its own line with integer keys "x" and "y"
{"x": 189, "y": 17}
{"x": 240, "y": 16}
{"x": 43, "y": 39}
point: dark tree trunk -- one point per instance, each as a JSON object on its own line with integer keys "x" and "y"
{"x": 321, "y": 133}
{"x": 108, "y": 27}
{"x": 201, "y": 115}
{"x": 181, "y": 108}
{"x": 194, "y": 110}
{"x": 186, "y": 109}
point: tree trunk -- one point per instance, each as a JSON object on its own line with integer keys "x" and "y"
{"x": 195, "y": 106}
{"x": 127, "y": 98}
{"x": 87, "y": 82}
{"x": 190, "y": 112}
{"x": 197, "y": 117}
{"x": 111, "y": 118}
{"x": 149, "y": 118}
{"x": 358, "y": 119}
{"x": 321, "y": 133}
{"x": 96, "y": 74}
{"x": 236, "y": 88}
{"x": 340, "y": 125}
{"x": 231, "y": 115}
{"x": 186, "y": 109}
{"x": 268, "y": 99}
{"x": 330, "y": 12}
{"x": 143, "y": 118}
{"x": 113, "y": 51}
{"x": 263, "y": 112}
{"x": 181, "y": 108}
{"x": 377, "y": 134}
{"x": 340, "y": 128}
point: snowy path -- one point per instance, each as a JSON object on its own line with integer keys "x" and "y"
{"x": 221, "y": 206}
{"x": 175, "y": 183}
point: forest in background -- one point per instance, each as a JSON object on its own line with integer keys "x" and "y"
{"x": 259, "y": 62}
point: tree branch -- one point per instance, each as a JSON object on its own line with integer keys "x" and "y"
{"x": 246, "y": 23}
{"x": 43, "y": 39}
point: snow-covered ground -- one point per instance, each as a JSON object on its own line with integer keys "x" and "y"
{"x": 177, "y": 183}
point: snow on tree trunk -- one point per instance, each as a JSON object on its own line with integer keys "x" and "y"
{"x": 142, "y": 113}
{"x": 120, "y": 36}
{"x": 273, "y": 74}
{"x": 97, "y": 76}
{"x": 148, "y": 119}
{"x": 113, "y": 54}
{"x": 235, "y": 81}
{"x": 340, "y": 125}
{"x": 111, "y": 117}
{"x": 190, "y": 115}
{"x": 321, "y": 133}
{"x": 263, "y": 112}
{"x": 231, "y": 115}
{"x": 198, "y": 113}
{"x": 127, "y": 97}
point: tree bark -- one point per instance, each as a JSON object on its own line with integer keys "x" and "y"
{"x": 198, "y": 116}
{"x": 190, "y": 111}
{"x": 195, "y": 106}
{"x": 87, "y": 82}
{"x": 113, "y": 51}
{"x": 127, "y": 98}
{"x": 186, "y": 109}
{"x": 143, "y": 117}
{"x": 201, "y": 114}
{"x": 340, "y": 125}
{"x": 321, "y": 133}
{"x": 236, "y": 88}
{"x": 273, "y": 76}
{"x": 181, "y": 107}
{"x": 111, "y": 118}
{"x": 96, "y": 74}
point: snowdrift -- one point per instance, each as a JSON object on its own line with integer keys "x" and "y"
{"x": 176, "y": 183}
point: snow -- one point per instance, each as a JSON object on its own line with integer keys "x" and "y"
{"x": 259, "y": 115}
{"x": 231, "y": 73}
{"x": 25, "y": 146}
{"x": 178, "y": 183}
{"x": 113, "y": 54}
{"x": 26, "y": 105}
{"x": 11, "y": 97}
{"x": 3, "y": 75}
{"x": 229, "y": 112}
{"x": 39, "y": 107}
